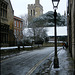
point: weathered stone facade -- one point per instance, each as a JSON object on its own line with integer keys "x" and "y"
{"x": 71, "y": 27}
{"x": 34, "y": 10}
{"x": 7, "y": 14}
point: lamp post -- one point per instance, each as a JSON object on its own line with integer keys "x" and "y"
{"x": 55, "y": 6}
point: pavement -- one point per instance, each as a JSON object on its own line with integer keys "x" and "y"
{"x": 66, "y": 65}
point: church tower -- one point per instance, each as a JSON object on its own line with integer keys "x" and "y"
{"x": 37, "y": 2}
{"x": 34, "y": 10}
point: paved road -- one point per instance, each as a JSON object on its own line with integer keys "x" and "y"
{"x": 23, "y": 63}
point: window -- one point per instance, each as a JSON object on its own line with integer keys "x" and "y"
{"x": 7, "y": 38}
{"x": 4, "y": 10}
{"x": 17, "y": 24}
{"x": 1, "y": 11}
{"x": 34, "y": 12}
{"x": 15, "y": 32}
{"x": 20, "y": 33}
{"x": 20, "y": 25}
{"x": 31, "y": 12}
{"x": 14, "y": 23}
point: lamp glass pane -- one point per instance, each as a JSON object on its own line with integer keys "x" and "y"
{"x": 55, "y": 3}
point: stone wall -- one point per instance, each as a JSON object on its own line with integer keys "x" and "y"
{"x": 34, "y": 10}
{"x": 10, "y": 15}
{"x": 9, "y": 21}
{"x": 73, "y": 28}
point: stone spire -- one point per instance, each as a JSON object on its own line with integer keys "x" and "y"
{"x": 64, "y": 13}
{"x": 37, "y": 1}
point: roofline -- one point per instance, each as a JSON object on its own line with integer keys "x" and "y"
{"x": 18, "y": 18}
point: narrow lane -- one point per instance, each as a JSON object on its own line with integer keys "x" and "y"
{"x": 21, "y": 64}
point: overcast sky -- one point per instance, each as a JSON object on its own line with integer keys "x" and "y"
{"x": 20, "y": 6}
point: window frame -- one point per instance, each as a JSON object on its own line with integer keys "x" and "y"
{"x": 4, "y": 9}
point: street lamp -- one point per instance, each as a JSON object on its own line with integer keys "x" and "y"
{"x": 55, "y": 6}
{"x": 55, "y": 3}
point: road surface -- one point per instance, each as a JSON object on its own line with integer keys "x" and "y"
{"x": 23, "y": 63}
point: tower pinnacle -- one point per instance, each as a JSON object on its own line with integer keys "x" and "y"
{"x": 37, "y": 1}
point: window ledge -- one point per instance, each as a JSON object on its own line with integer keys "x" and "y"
{"x": 3, "y": 18}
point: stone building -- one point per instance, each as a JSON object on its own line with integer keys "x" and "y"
{"x": 34, "y": 10}
{"x": 18, "y": 26}
{"x": 6, "y": 27}
{"x": 71, "y": 26}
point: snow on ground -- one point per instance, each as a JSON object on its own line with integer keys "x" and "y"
{"x": 5, "y": 48}
{"x": 54, "y": 41}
